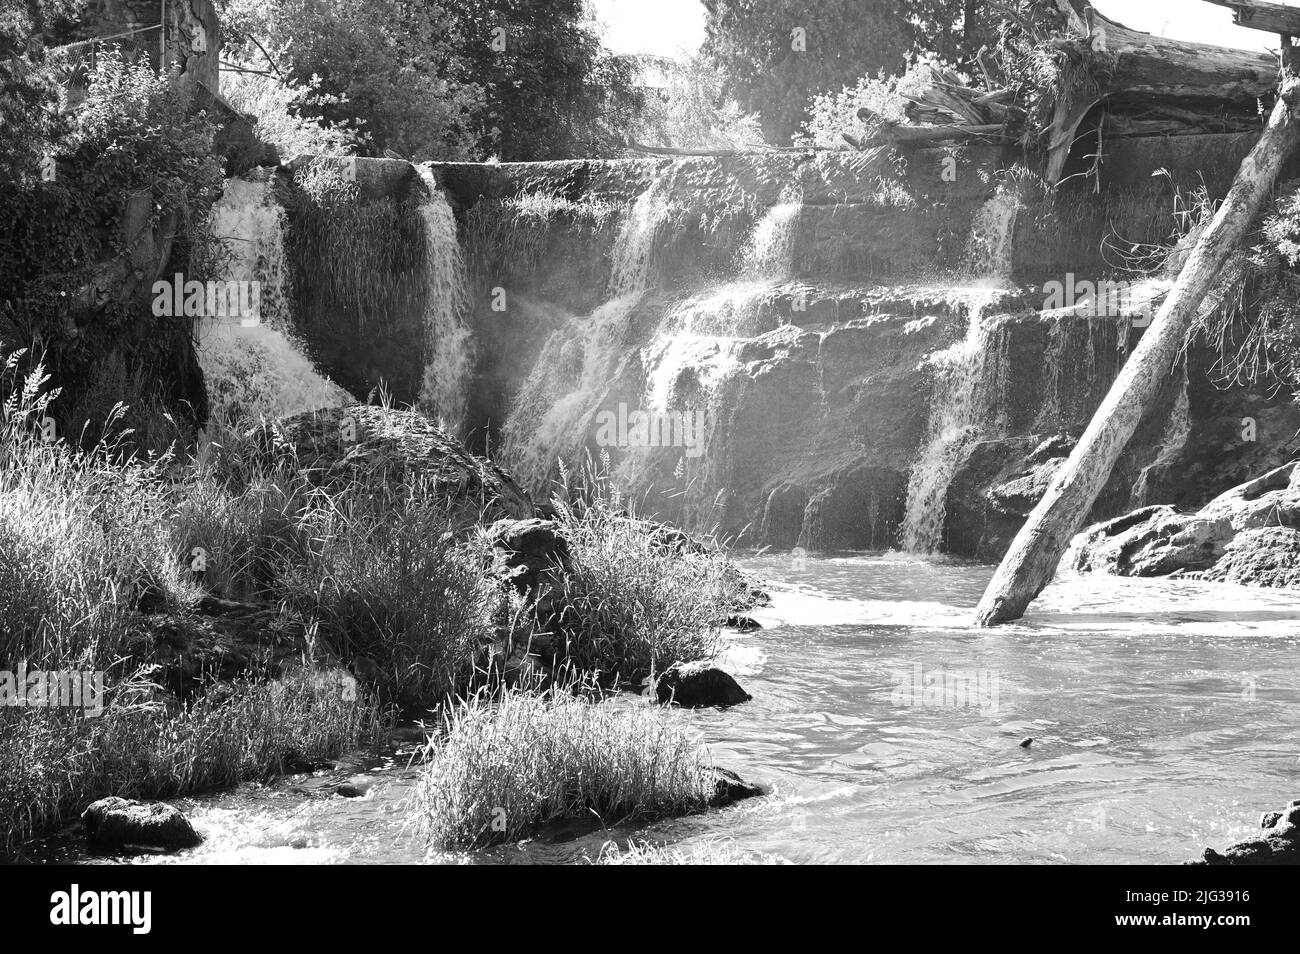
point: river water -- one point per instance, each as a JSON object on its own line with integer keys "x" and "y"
{"x": 1163, "y": 716}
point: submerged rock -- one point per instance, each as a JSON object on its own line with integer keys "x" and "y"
{"x": 729, "y": 788}
{"x": 1279, "y": 845}
{"x": 699, "y": 685}
{"x": 113, "y": 823}
{"x": 1250, "y": 534}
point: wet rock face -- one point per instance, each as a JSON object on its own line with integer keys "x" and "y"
{"x": 1278, "y": 845}
{"x": 1250, "y": 534}
{"x": 114, "y": 823}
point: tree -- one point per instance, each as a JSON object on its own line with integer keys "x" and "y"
{"x": 778, "y": 54}
{"x": 551, "y": 91}
{"x": 388, "y": 69}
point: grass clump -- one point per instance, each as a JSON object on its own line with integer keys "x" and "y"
{"x": 396, "y": 591}
{"x": 511, "y": 762}
{"x": 640, "y": 596}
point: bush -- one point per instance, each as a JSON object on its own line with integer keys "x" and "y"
{"x": 515, "y": 761}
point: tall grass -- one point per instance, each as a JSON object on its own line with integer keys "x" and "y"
{"x": 639, "y": 597}
{"x": 56, "y": 761}
{"x": 394, "y": 586}
{"x": 513, "y": 761}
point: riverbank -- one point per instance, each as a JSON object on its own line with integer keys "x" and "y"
{"x": 273, "y": 597}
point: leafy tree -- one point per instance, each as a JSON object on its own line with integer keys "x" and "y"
{"x": 775, "y": 71}
{"x": 386, "y": 69}
{"x": 552, "y": 92}
{"x": 685, "y": 107}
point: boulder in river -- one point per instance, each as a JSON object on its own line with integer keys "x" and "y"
{"x": 1278, "y": 845}
{"x": 113, "y": 823}
{"x": 698, "y": 685}
{"x": 729, "y": 788}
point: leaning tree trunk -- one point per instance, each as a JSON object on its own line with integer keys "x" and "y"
{"x": 1031, "y": 562}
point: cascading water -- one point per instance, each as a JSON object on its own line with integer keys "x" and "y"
{"x": 965, "y": 407}
{"x": 967, "y": 403}
{"x": 257, "y": 368}
{"x": 445, "y": 389}
{"x": 634, "y": 251}
{"x": 769, "y": 253}
{"x": 989, "y": 250}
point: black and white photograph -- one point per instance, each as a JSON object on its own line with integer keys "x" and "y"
{"x": 650, "y": 432}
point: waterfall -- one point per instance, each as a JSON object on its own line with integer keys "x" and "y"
{"x": 449, "y": 345}
{"x": 261, "y": 369}
{"x": 769, "y": 253}
{"x": 965, "y": 407}
{"x": 637, "y": 238}
{"x": 991, "y": 244}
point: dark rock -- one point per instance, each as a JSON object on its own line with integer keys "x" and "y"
{"x": 356, "y": 787}
{"x": 113, "y": 823}
{"x": 729, "y": 788}
{"x": 1026, "y": 743}
{"x": 743, "y": 623}
{"x": 1278, "y": 845}
{"x": 698, "y": 685}
{"x": 531, "y": 553}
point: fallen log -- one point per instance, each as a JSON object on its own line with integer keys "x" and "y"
{"x": 1110, "y": 59}
{"x": 890, "y": 133}
{"x": 1037, "y": 549}
{"x": 1261, "y": 15}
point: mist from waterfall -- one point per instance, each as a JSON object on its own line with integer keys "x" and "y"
{"x": 257, "y": 370}
{"x": 449, "y": 345}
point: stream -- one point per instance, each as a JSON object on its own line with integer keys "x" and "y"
{"x": 1163, "y": 715}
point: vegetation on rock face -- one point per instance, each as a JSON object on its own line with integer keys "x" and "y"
{"x": 96, "y": 202}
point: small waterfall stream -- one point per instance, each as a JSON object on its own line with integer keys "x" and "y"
{"x": 967, "y": 400}
{"x": 450, "y": 362}
{"x": 256, "y": 368}
{"x": 769, "y": 252}
{"x": 965, "y": 407}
